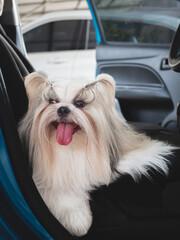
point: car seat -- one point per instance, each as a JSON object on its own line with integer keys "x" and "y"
{"x": 122, "y": 210}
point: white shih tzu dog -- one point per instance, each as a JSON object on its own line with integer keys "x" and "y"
{"x": 77, "y": 141}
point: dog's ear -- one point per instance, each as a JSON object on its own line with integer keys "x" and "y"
{"x": 103, "y": 81}
{"x": 106, "y": 79}
{"x": 33, "y": 83}
{"x": 106, "y": 85}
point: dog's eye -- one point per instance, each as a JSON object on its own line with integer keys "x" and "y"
{"x": 52, "y": 101}
{"x": 79, "y": 104}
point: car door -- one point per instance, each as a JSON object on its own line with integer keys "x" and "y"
{"x": 62, "y": 48}
{"x": 134, "y": 40}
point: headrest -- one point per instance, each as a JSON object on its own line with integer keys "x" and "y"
{"x": 174, "y": 53}
{"x": 1, "y": 6}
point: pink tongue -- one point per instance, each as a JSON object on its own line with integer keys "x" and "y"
{"x": 64, "y": 133}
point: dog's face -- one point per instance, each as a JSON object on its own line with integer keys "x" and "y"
{"x": 75, "y": 120}
{"x": 75, "y": 107}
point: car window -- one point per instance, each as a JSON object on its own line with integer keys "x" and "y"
{"x": 138, "y": 21}
{"x": 92, "y": 36}
{"x": 59, "y": 35}
{"x": 37, "y": 40}
{"x": 69, "y": 35}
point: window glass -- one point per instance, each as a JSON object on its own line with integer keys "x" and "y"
{"x": 92, "y": 36}
{"x": 139, "y": 21}
{"x": 59, "y": 35}
{"x": 37, "y": 39}
{"x": 69, "y": 35}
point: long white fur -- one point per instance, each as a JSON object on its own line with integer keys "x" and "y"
{"x": 106, "y": 144}
{"x": 139, "y": 161}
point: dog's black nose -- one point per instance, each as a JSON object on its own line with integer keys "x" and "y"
{"x": 63, "y": 111}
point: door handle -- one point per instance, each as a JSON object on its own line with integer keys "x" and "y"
{"x": 165, "y": 64}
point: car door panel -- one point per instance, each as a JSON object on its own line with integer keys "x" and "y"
{"x": 142, "y": 95}
{"x": 146, "y": 91}
{"x": 140, "y": 82}
{"x": 134, "y": 48}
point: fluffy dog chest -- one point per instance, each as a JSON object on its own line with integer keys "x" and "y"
{"x": 72, "y": 166}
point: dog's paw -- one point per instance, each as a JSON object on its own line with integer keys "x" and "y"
{"x": 78, "y": 222}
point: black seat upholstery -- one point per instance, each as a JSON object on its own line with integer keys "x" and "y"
{"x": 13, "y": 70}
{"x": 23, "y": 59}
{"x": 14, "y": 67}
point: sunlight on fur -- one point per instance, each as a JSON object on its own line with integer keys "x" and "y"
{"x": 77, "y": 141}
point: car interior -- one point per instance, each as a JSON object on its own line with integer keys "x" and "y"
{"x": 125, "y": 209}
{"x": 132, "y": 51}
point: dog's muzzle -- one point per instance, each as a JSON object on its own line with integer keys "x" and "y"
{"x": 65, "y": 129}
{"x": 63, "y": 111}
